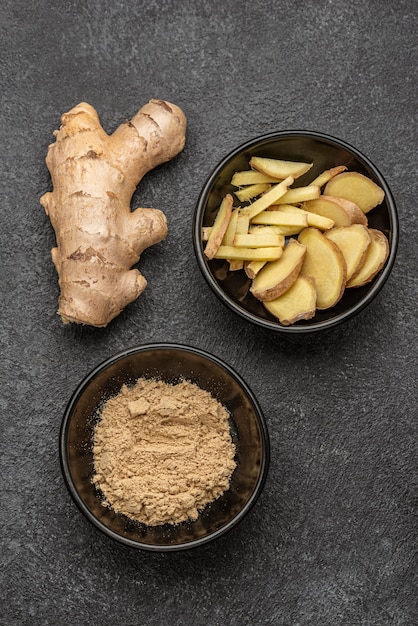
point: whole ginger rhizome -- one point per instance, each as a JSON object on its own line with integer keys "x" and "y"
{"x": 162, "y": 452}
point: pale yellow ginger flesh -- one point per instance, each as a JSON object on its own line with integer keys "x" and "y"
{"x": 354, "y": 212}
{"x": 275, "y": 278}
{"x": 297, "y": 303}
{"x": 325, "y": 176}
{"x": 219, "y": 228}
{"x": 241, "y": 253}
{"x": 278, "y": 168}
{"x": 268, "y": 198}
{"x": 251, "y": 177}
{"x": 251, "y": 191}
{"x": 357, "y": 188}
{"x": 353, "y": 241}
{"x": 94, "y": 176}
{"x": 375, "y": 258}
{"x": 324, "y": 262}
{"x": 331, "y": 208}
{"x": 335, "y": 248}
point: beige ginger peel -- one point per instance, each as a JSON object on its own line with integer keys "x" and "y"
{"x": 94, "y": 176}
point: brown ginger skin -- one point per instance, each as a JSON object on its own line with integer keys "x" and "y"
{"x": 94, "y": 176}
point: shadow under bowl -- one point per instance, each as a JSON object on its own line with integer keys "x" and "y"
{"x": 170, "y": 363}
{"x": 325, "y": 152}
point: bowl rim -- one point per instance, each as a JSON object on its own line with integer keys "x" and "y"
{"x": 299, "y": 328}
{"x": 66, "y": 420}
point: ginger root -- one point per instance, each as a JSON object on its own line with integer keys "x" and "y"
{"x": 94, "y": 176}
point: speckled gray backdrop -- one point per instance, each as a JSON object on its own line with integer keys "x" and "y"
{"x": 333, "y": 539}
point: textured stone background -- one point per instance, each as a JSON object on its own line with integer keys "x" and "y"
{"x": 333, "y": 539}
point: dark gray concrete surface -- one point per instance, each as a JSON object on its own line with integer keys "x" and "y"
{"x": 333, "y": 539}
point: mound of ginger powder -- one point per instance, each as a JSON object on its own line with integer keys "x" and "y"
{"x": 162, "y": 452}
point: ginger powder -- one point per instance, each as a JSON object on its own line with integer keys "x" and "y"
{"x": 162, "y": 452}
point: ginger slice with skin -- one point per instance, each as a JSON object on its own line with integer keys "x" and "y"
{"x": 327, "y": 207}
{"x": 377, "y": 253}
{"x": 354, "y": 212}
{"x": 278, "y": 168}
{"x": 353, "y": 241}
{"x": 325, "y": 263}
{"x": 94, "y": 176}
{"x": 219, "y": 227}
{"x": 297, "y": 303}
{"x": 251, "y": 177}
{"x": 312, "y": 219}
{"x": 325, "y": 176}
{"x": 357, "y": 188}
{"x": 275, "y": 278}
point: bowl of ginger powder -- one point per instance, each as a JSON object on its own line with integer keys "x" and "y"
{"x": 164, "y": 447}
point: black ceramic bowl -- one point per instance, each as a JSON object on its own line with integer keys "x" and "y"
{"x": 232, "y": 288}
{"x": 169, "y": 363}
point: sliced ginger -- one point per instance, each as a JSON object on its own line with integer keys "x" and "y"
{"x": 326, "y": 207}
{"x": 334, "y": 248}
{"x": 251, "y": 191}
{"x": 375, "y": 258}
{"x": 312, "y": 219}
{"x": 229, "y": 236}
{"x": 357, "y": 188}
{"x": 353, "y": 241}
{"x": 241, "y": 253}
{"x": 267, "y": 199}
{"x": 219, "y": 228}
{"x": 296, "y": 304}
{"x": 281, "y": 218}
{"x": 94, "y": 176}
{"x": 341, "y": 212}
{"x": 325, "y": 263}
{"x": 251, "y": 177}
{"x": 354, "y": 212}
{"x": 325, "y": 176}
{"x": 300, "y": 194}
{"x": 275, "y": 278}
{"x": 252, "y": 268}
{"x": 278, "y": 168}
{"x": 261, "y": 237}
{"x": 241, "y": 228}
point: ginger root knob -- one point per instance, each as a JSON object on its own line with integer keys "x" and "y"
{"x": 94, "y": 176}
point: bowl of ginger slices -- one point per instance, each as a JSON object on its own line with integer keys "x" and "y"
{"x": 296, "y": 231}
